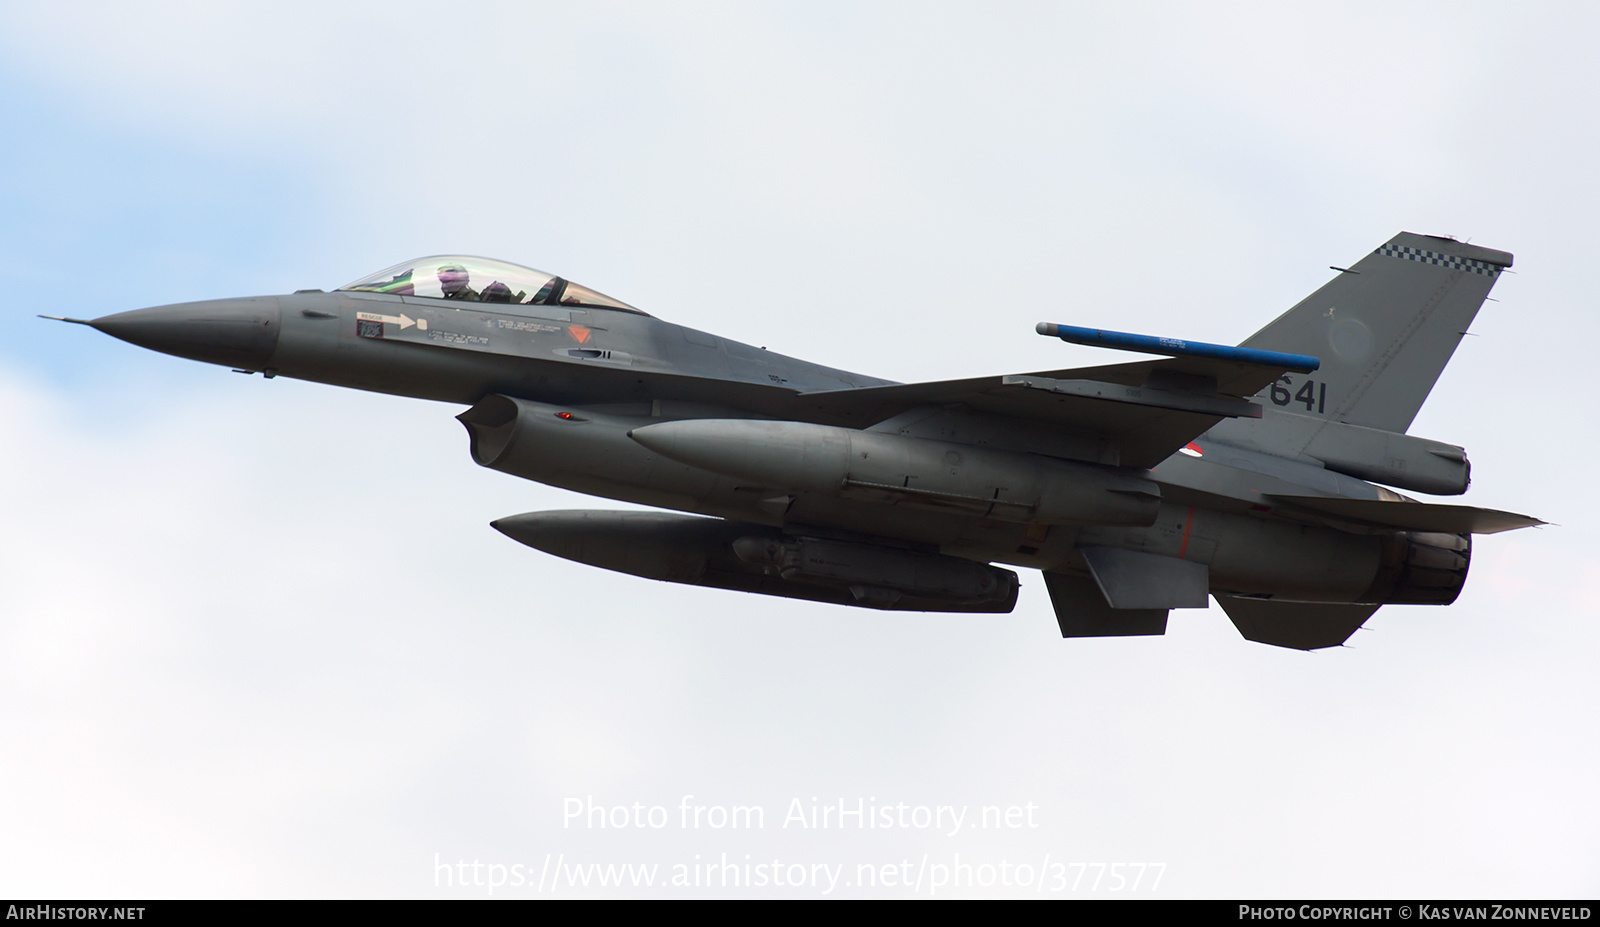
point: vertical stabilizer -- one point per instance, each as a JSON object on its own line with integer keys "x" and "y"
{"x": 1384, "y": 329}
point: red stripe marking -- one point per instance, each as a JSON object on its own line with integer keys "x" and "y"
{"x": 1187, "y": 524}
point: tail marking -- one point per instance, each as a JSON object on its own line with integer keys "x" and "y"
{"x": 1442, "y": 260}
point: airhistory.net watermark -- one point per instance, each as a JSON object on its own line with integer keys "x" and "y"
{"x": 51, "y": 912}
{"x": 926, "y": 875}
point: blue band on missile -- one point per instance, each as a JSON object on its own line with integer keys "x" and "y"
{"x": 1173, "y": 347}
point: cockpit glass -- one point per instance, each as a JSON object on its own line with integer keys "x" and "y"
{"x": 481, "y": 280}
{"x": 575, "y": 295}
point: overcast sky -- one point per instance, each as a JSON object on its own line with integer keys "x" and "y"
{"x": 257, "y": 638}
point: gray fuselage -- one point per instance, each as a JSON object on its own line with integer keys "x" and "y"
{"x": 617, "y": 371}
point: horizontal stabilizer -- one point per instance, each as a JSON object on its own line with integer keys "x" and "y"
{"x": 1296, "y": 625}
{"x": 1412, "y": 516}
{"x": 1082, "y": 611}
{"x": 1132, "y": 579}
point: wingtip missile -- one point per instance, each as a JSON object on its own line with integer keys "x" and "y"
{"x": 1174, "y": 347}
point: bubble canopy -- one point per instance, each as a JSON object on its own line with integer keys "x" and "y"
{"x": 464, "y": 278}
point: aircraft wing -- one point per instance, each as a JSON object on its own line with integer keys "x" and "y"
{"x": 1146, "y": 409}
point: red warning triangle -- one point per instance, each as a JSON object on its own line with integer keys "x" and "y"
{"x": 578, "y": 333}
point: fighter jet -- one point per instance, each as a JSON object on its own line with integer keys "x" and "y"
{"x": 1258, "y": 474}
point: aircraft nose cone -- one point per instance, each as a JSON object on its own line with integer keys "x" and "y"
{"x": 240, "y": 333}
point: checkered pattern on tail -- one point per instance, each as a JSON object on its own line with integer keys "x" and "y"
{"x": 1442, "y": 260}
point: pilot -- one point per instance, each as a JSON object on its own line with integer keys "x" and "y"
{"x": 498, "y": 292}
{"x": 453, "y": 281}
